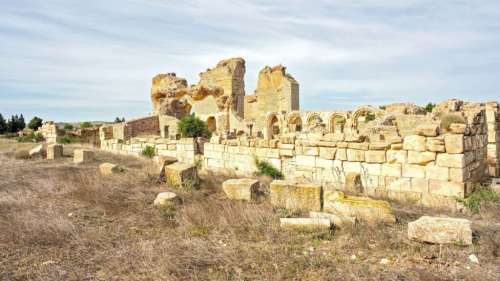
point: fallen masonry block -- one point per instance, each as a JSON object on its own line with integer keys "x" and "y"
{"x": 337, "y": 220}
{"x": 54, "y": 151}
{"x": 439, "y": 230}
{"x": 164, "y": 161}
{"x": 362, "y": 208}
{"x": 296, "y": 196}
{"x": 181, "y": 173}
{"x": 38, "y": 151}
{"x": 107, "y": 169}
{"x": 241, "y": 189}
{"x": 164, "y": 198}
{"x": 305, "y": 223}
{"x": 81, "y": 156}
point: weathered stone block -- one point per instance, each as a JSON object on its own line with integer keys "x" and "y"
{"x": 305, "y": 223}
{"x": 179, "y": 173}
{"x": 337, "y": 220}
{"x": 81, "y": 156}
{"x": 439, "y": 230}
{"x": 362, "y": 208}
{"x": 241, "y": 189}
{"x": 450, "y": 160}
{"x": 428, "y": 129}
{"x": 419, "y": 185}
{"x": 435, "y": 172}
{"x": 355, "y": 155}
{"x": 413, "y": 171}
{"x": 415, "y": 143}
{"x": 454, "y": 143}
{"x": 396, "y": 156}
{"x": 54, "y": 151}
{"x": 457, "y": 128}
{"x": 436, "y": 144}
{"x": 38, "y": 151}
{"x": 164, "y": 198}
{"x": 421, "y": 158}
{"x": 391, "y": 170}
{"x": 373, "y": 169}
{"x": 107, "y": 169}
{"x": 341, "y": 154}
{"x": 303, "y": 160}
{"x": 327, "y": 152}
{"x": 375, "y": 156}
{"x": 447, "y": 188}
{"x": 400, "y": 185}
{"x": 296, "y": 196}
{"x": 352, "y": 167}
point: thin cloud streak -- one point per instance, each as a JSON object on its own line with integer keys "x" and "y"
{"x": 64, "y": 55}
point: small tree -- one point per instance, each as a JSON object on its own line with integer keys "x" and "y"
{"x": 3, "y": 124}
{"x": 86, "y": 125}
{"x": 21, "y": 124}
{"x": 68, "y": 127}
{"x": 192, "y": 127}
{"x": 118, "y": 120}
{"x": 430, "y": 106}
{"x": 35, "y": 123}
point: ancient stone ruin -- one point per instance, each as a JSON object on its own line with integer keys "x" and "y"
{"x": 398, "y": 151}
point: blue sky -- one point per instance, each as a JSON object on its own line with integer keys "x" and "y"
{"x": 93, "y": 60}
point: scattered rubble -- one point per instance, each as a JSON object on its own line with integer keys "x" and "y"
{"x": 164, "y": 198}
{"x": 305, "y": 223}
{"x": 107, "y": 169}
{"x": 241, "y": 189}
{"x": 441, "y": 230}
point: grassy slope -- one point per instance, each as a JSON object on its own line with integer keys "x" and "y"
{"x": 64, "y": 222}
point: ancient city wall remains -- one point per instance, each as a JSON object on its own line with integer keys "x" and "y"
{"x": 398, "y": 151}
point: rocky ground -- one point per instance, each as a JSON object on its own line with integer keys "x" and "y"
{"x": 60, "y": 221}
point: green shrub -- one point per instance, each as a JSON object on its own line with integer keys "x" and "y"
{"x": 480, "y": 196}
{"x": 429, "y": 107}
{"x": 192, "y": 127}
{"x": 267, "y": 169}
{"x": 68, "y": 127}
{"x": 32, "y": 137}
{"x": 168, "y": 211}
{"x": 369, "y": 117}
{"x": 148, "y": 152}
{"x": 86, "y": 125}
{"x": 69, "y": 139}
{"x": 448, "y": 119}
{"x": 383, "y": 107}
{"x": 35, "y": 123}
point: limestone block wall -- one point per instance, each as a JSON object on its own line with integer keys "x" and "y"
{"x": 493, "y": 123}
{"x": 428, "y": 170}
{"x": 50, "y": 132}
{"x": 184, "y": 149}
{"x": 142, "y": 126}
{"x": 91, "y": 136}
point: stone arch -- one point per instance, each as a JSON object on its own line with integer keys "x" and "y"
{"x": 337, "y": 123}
{"x": 364, "y": 111}
{"x": 273, "y": 125}
{"x": 294, "y": 122}
{"x": 314, "y": 120}
{"x": 212, "y": 124}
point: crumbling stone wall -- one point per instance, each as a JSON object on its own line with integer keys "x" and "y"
{"x": 277, "y": 91}
{"x": 183, "y": 149}
{"x": 493, "y": 123}
{"x": 431, "y": 168}
{"x": 50, "y": 132}
{"x": 146, "y": 126}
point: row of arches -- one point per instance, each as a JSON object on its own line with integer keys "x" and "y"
{"x": 335, "y": 122}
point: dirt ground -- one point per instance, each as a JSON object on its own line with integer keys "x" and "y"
{"x": 60, "y": 221}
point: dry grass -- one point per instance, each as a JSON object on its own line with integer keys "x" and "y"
{"x": 59, "y": 221}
